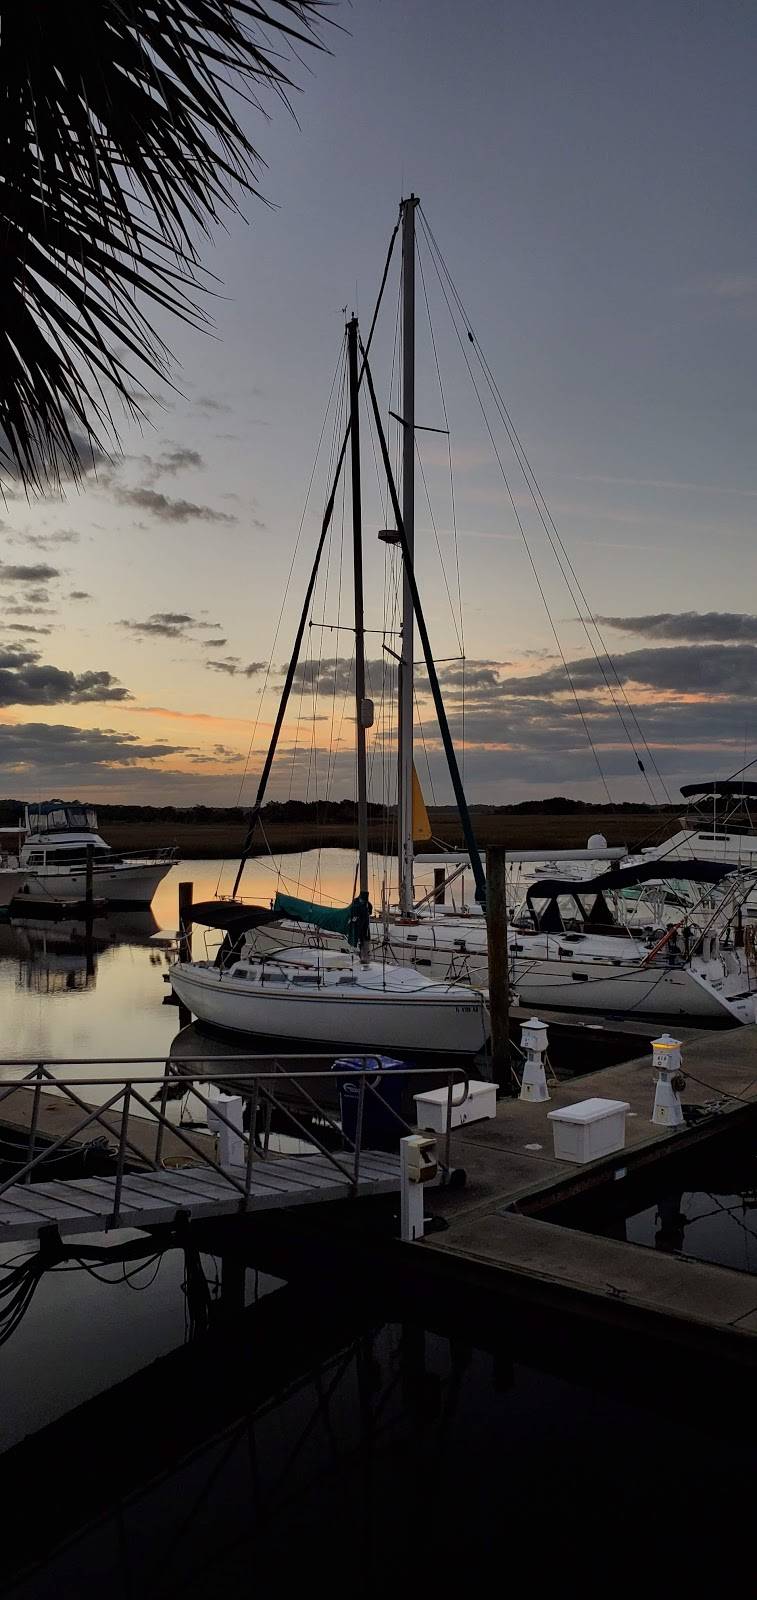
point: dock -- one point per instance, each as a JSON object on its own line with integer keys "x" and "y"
{"x": 493, "y": 1249}
{"x": 94, "y": 1205}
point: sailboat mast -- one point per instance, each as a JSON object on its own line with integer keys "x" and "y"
{"x": 363, "y": 710}
{"x": 406, "y": 676}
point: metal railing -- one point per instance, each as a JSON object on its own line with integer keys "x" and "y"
{"x": 257, "y": 1088}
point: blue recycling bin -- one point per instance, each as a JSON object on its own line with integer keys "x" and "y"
{"x": 381, "y": 1130}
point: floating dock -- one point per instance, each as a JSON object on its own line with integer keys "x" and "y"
{"x": 495, "y": 1248}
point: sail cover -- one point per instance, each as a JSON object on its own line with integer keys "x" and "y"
{"x": 352, "y": 921}
{"x": 721, "y": 786}
{"x": 625, "y": 877}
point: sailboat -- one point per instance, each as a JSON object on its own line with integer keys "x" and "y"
{"x": 339, "y": 997}
{"x": 690, "y": 966}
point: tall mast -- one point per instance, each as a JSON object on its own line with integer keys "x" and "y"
{"x": 363, "y": 711}
{"x": 406, "y": 677}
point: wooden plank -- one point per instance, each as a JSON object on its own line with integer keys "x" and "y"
{"x": 103, "y": 1188}
{"x": 60, "y": 1190}
{"x": 26, "y": 1197}
{"x": 170, "y": 1184}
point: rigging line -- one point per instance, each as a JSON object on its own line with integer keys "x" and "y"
{"x": 268, "y": 762}
{"x": 438, "y": 546}
{"x": 339, "y": 363}
{"x": 527, "y": 547}
{"x": 543, "y": 511}
{"x": 409, "y": 571}
{"x": 419, "y": 724}
{"x": 449, "y": 452}
{"x": 314, "y": 468}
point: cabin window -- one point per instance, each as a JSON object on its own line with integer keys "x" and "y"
{"x": 580, "y": 977}
{"x": 724, "y": 836}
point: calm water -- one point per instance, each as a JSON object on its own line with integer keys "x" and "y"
{"x": 702, "y": 1205}
{"x": 380, "y": 1456}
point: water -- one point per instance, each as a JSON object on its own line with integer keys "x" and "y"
{"x": 702, "y": 1204}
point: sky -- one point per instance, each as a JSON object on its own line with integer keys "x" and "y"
{"x": 587, "y": 172}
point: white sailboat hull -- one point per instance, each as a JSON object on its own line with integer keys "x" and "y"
{"x": 440, "y": 1022}
{"x": 456, "y": 952}
{"x": 570, "y": 984}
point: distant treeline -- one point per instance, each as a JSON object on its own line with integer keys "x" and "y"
{"x": 315, "y": 812}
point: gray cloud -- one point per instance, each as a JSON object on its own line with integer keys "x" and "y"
{"x": 24, "y": 627}
{"x": 45, "y": 541}
{"x": 37, "y": 597}
{"x": 711, "y": 669}
{"x": 38, "y": 573}
{"x": 34, "y": 746}
{"x": 213, "y": 644}
{"x": 25, "y": 680}
{"x": 79, "y": 594}
{"x": 178, "y": 459}
{"x": 726, "y": 626}
{"x": 28, "y": 611}
{"x": 231, "y": 666}
{"x": 165, "y": 509}
{"x": 208, "y": 402}
{"x": 167, "y": 625}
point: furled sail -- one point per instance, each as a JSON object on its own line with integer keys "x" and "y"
{"x": 352, "y": 921}
{"x": 421, "y": 824}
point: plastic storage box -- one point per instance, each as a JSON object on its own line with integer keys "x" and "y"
{"x": 591, "y": 1129}
{"x": 479, "y": 1103}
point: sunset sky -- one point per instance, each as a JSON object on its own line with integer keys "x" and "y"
{"x": 588, "y": 172}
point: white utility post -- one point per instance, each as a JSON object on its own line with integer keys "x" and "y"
{"x": 418, "y": 1165}
{"x": 231, "y": 1150}
{"x": 533, "y": 1038}
{"x": 666, "y": 1059}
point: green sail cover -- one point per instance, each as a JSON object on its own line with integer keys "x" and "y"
{"x": 353, "y": 921}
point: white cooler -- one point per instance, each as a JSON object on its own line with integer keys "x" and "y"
{"x": 479, "y": 1103}
{"x": 591, "y": 1129}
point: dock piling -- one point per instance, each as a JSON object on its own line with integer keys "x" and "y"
{"x": 186, "y": 894}
{"x": 499, "y": 976}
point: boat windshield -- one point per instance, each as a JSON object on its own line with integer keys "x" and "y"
{"x": 61, "y": 816}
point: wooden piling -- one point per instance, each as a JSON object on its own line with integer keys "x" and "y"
{"x": 89, "y": 892}
{"x": 499, "y": 976}
{"x": 186, "y": 894}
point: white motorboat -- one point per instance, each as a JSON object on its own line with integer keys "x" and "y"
{"x": 13, "y": 879}
{"x": 718, "y": 826}
{"x": 333, "y": 998}
{"x": 57, "y": 838}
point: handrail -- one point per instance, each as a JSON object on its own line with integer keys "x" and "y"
{"x": 256, "y": 1085}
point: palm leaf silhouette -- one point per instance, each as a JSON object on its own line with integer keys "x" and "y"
{"x": 121, "y": 148}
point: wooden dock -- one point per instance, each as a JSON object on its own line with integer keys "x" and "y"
{"x": 157, "y": 1199}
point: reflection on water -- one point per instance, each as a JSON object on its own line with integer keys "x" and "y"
{"x": 107, "y": 983}
{"x": 701, "y": 1204}
{"x": 361, "y": 1453}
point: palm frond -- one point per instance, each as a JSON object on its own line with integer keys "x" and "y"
{"x": 121, "y": 147}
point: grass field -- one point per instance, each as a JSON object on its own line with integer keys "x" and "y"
{"x": 224, "y": 842}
